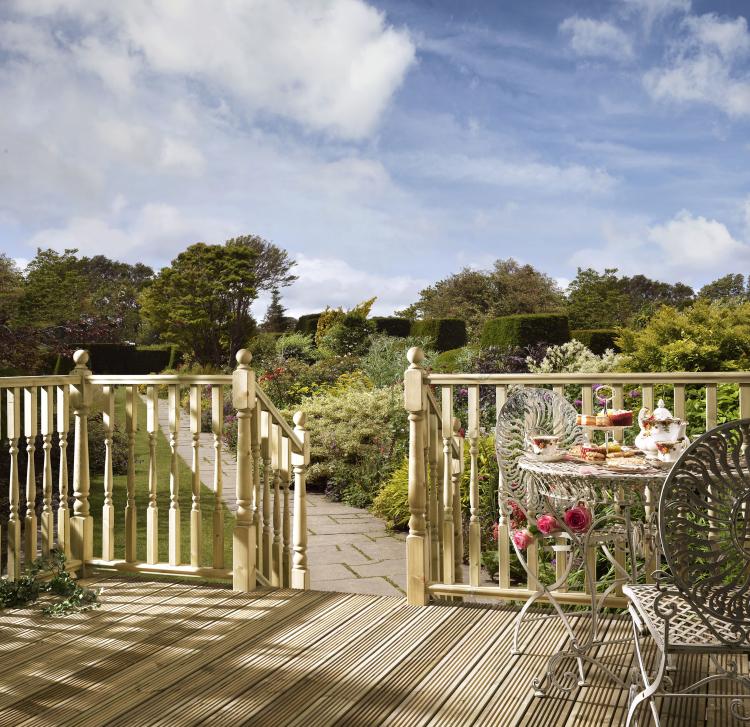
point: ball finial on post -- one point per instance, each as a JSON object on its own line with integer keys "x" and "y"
{"x": 299, "y": 419}
{"x": 456, "y": 426}
{"x": 81, "y": 357}
{"x": 415, "y": 356}
{"x": 243, "y": 357}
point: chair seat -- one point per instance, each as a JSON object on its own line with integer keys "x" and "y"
{"x": 686, "y": 629}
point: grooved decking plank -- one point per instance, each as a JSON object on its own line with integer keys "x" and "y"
{"x": 47, "y": 634}
{"x": 252, "y": 700}
{"x": 171, "y": 668}
{"x": 450, "y": 672}
{"x": 308, "y": 688}
{"x": 249, "y": 664}
{"x": 106, "y": 663}
{"x": 371, "y": 670}
{"x": 401, "y": 680}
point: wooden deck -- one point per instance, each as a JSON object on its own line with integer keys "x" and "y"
{"x": 179, "y": 654}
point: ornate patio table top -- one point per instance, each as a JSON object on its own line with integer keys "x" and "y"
{"x": 625, "y": 472}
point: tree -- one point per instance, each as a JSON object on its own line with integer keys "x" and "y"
{"x": 604, "y": 300}
{"x": 113, "y": 293}
{"x": 275, "y": 320}
{"x": 272, "y": 264}
{"x": 729, "y": 288}
{"x": 55, "y": 292}
{"x": 202, "y": 300}
{"x": 11, "y": 288}
{"x": 597, "y": 300}
{"x": 476, "y": 295}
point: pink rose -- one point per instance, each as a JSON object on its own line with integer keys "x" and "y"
{"x": 522, "y": 539}
{"x": 578, "y": 518}
{"x": 547, "y": 524}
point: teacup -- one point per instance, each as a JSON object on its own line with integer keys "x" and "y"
{"x": 670, "y": 451}
{"x": 545, "y": 445}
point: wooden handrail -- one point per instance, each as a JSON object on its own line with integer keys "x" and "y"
{"x": 19, "y": 382}
{"x": 678, "y": 377}
{"x": 278, "y": 418}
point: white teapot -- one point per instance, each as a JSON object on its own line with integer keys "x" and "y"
{"x": 659, "y": 426}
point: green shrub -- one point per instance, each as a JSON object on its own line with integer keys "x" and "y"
{"x": 97, "y": 452}
{"x": 597, "y": 340}
{"x": 263, "y": 348}
{"x": 526, "y": 329}
{"x": 349, "y": 336}
{"x": 386, "y": 362}
{"x": 704, "y": 337}
{"x": 449, "y": 362}
{"x": 288, "y": 383}
{"x": 357, "y": 438}
{"x": 391, "y": 326}
{"x": 445, "y": 333}
{"x": 308, "y": 323}
{"x": 296, "y": 345}
{"x": 392, "y": 502}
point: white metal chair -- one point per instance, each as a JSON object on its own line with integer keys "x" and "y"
{"x": 700, "y": 603}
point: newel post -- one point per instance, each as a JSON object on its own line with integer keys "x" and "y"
{"x": 300, "y": 461}
{"x": 81, "y": 524}
{"x": 243, "y": 537}
{"x": 417, "y": 546}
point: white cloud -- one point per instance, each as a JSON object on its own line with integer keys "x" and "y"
{"x": 156, "y": 232}
{"x": 689, "y": 247}
{"x": 333, "y": 281}
{"x": 652, "y": 11}
{"x": 729, "y": 37}
{"x": 597, "y": 38}
{"x": 704, "y": 67}
{"x": 512, "y": 173}
{"x": 330, "y": 65}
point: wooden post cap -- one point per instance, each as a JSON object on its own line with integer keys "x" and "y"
{"x": 415, "y": 356}
{"x": 243, "y": 357}
{"x": 456, "y": 425}
{"x": 299, "y": 419}
{"x": 81, "y": 357}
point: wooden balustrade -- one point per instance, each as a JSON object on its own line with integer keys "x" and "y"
{"x": 435, "y": 549}
{"x": 272, "y": 457}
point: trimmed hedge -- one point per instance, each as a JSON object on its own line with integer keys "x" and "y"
{"x": 447, "y": 333}
{"x": 597, "y": 340}
{"x": 526, "y": 329}
{"x": 399, "y": 327}
{"x": 123, "y": 358}
{"x": 308, "y": 324}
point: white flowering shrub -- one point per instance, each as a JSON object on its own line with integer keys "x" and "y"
{"x": 573, "y": 357}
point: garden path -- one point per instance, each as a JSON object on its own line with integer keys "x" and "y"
{"x": 350, "y": 550}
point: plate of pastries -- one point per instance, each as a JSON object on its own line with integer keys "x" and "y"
{"x": 606, "y": 418}
{"x": 602, "y": 453}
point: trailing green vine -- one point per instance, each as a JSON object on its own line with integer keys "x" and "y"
{"x": 48, "y": 575}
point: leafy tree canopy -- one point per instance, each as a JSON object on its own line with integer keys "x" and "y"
{"x": 606, "y": 300}
{"x": 476, "y": 295}
{"x": 728, "y": 288}
{"x": 11, "y": 288}
{"x": 202, "y": 300}
{"x": 272, "y": 267}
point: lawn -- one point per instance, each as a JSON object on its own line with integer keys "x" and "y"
{"x": 163, "y": 460}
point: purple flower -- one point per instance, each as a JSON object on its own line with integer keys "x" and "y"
{"x": 463, "y": 393}
{"x": 577, "y": 402}
{"x": 634, "y": 394}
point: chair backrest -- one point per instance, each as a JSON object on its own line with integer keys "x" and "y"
{"x": 530, "y": 411}
{"x": 704, "y": 525}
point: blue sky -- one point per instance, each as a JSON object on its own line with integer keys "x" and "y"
{"x": 386, "y": 143}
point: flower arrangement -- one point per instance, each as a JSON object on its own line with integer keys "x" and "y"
{"x": 577, "y": 518}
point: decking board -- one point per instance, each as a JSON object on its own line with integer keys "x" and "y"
{"x": 185, "y": 654}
